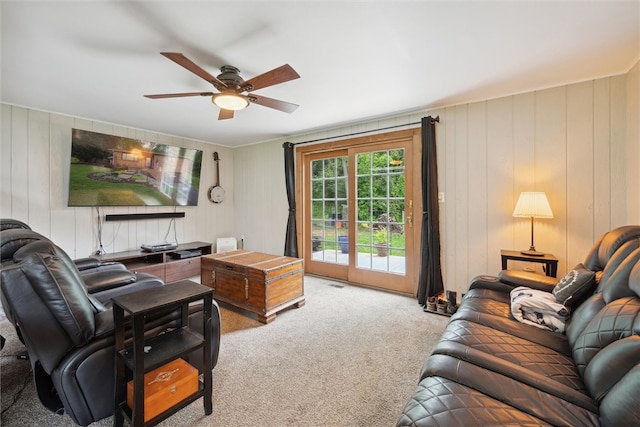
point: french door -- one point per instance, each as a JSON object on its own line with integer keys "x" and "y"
{"x": 358, "y": 211}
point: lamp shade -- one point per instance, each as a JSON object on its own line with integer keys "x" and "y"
{"x": 533, "y": 204}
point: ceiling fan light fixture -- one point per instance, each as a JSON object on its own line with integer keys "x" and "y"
{"x": 230, "y": 101}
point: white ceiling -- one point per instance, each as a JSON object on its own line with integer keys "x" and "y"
{"x": 357, "y": 60}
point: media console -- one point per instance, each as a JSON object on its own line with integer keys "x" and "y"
{"x": 170, "y": 265}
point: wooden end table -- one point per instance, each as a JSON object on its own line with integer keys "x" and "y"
{"x": 164, "y": 348}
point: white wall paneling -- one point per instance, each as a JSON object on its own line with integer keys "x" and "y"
{"x": 633, "y": 142}
{"x": 36, "y": 148}
{"x": 500, "y": 181}
{"x": 579, "y": 166}
{"x": 568, "y": 141}
{"x": 524, "y": 169}
{"x": 579, "y": 143}
{"x": 551, "y": 169}
{"x": 601, "y": 155}
{"x": 260, "y": 189}
{"x": 477, "y": 188}
{"x": 619, "y": 148}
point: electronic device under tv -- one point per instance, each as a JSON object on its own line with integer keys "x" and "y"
{"x": 107, "y": 170}
{"x": 157, "y": 247}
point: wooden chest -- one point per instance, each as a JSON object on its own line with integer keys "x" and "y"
{"x": 166, "y": 386}
{"x": 257, "y": 282}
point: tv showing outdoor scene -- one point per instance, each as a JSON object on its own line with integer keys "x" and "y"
{"x": 109, "y": 170}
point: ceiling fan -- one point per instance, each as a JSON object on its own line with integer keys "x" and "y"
{"x": 232, "y": 87}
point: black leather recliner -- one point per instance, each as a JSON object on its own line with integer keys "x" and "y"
{"x": 9, "y": 223}
{"x": 15, "y": 240}
{"x": 11, "y": 241}
{"x": 103, "y": 281}
{"x": 69, "y": 334}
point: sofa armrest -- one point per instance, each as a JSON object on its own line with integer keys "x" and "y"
{"x": 525, "y": 278}
{"x": 89, "y": 267}
{"x": 85, "y": 263}
{"x": 490, "y": 282}
{"x": 143, "y": 281}
{"x": 104, "y": 280}
{"x": 104, "y": 324}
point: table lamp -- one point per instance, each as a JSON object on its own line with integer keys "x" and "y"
{"x": 532, "y": 204}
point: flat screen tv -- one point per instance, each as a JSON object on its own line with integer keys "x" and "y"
{"x": 107, "y": 170}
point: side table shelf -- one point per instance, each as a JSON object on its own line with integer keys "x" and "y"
{"x": 165, "y": 347}
{"x": 133, "y": 362}
{"x": 550, "y": 262}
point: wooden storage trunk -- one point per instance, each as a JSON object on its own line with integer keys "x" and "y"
{"x": 257, "y": 282}
{"x": 166, "y": 386}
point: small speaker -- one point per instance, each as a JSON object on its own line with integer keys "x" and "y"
{"x": 226, "y": 244}
{"x": 133, "y": 217}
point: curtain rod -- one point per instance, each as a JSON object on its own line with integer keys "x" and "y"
{"x": 435, "y": 119}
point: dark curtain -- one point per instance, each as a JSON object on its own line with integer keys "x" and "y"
{"x": 290, "y": 239}
{"x": 430, "y": 280}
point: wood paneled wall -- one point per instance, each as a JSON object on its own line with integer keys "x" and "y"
{"x": 568, "y": 141}
{"x": 573, "y": 142}
{"x": 579, "y": 143}
{"x": 34, "y": 180}
{"x": 633, "y": 143}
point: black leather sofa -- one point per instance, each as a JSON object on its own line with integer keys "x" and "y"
{"x": 67, "y": 330}
{"x": 489, "y": 369}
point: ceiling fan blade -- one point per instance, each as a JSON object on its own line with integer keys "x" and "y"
{"x": 185, "y": 62}
{"x": 276, "y": 76}
{"x": 178, "y": 95}
{"x": 276, "y": 104}
{"x": 225, "y": 114}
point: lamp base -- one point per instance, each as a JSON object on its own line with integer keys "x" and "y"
{"x": 532, "y": 252}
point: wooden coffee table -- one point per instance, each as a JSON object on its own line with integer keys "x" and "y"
{"x": 260, "y": 283}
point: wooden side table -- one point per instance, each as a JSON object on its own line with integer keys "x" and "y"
{"x": 163, "y": 348}
{"x": 550, "y": 262}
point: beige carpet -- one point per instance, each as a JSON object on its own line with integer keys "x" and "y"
{"x": 350, "y": 357}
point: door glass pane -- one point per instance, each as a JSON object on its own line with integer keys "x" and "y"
{"x": 316, "y": 189}
{"x": 380, "y": 234}
{"x": 363, "y": 188}
{"x": 329, "y": 198}
{"x": 341, "y": 188}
